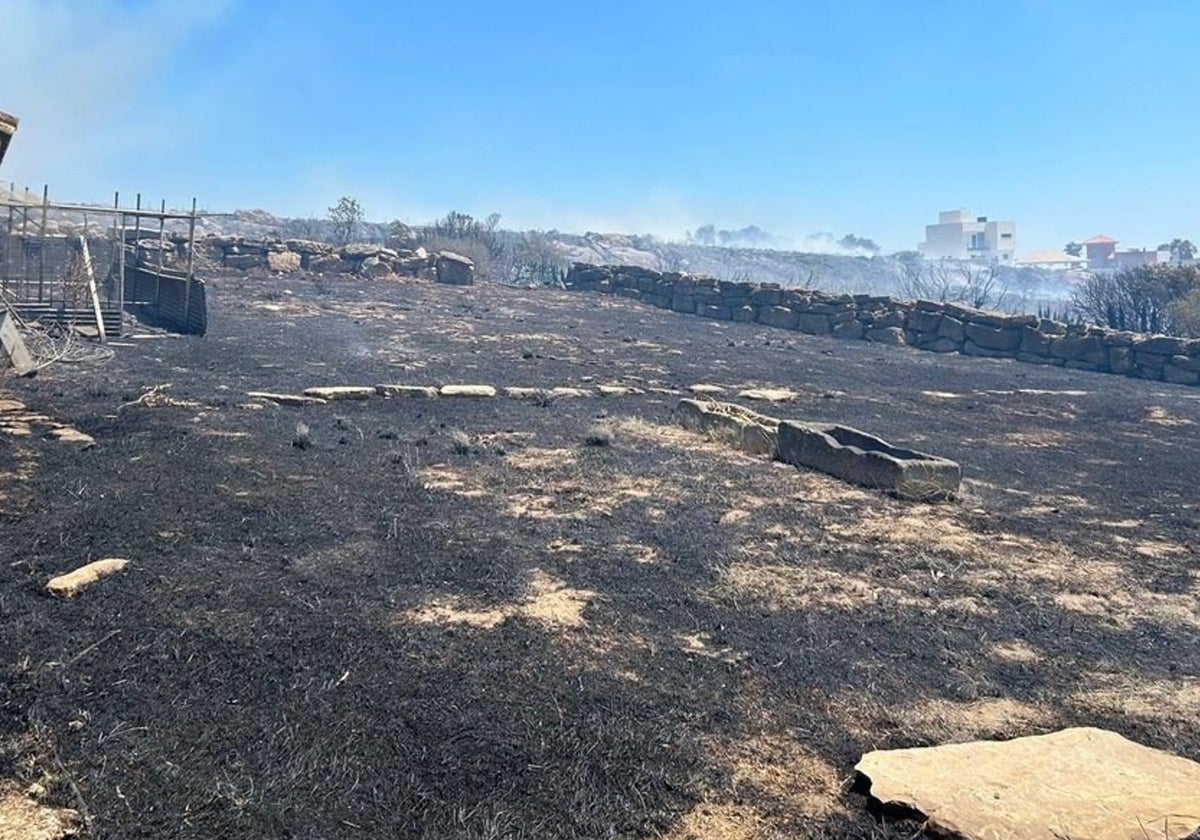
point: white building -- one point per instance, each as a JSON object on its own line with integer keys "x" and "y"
{"x": 960, "y": 236}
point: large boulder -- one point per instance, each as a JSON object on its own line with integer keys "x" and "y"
{"x": 375, "y": 267}
{"x": 330, "y": 264}
{"x": 454, "y": 269}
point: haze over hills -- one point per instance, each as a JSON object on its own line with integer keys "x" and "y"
{"x": 753, "y": 254}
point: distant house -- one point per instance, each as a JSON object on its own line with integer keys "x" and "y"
{"x": 1102, "y": 255}
{"x": 1052, "y": 259}
{"x": 960, "y": 236}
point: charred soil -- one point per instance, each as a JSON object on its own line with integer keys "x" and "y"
{"x": 560, "y": 615}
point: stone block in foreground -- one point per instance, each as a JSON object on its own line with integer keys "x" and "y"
{"x": 747, "y": 430}
{"x": 866, "y": 460}
{"x": 1078, "y": 783}
{"x": 454, "y": 269}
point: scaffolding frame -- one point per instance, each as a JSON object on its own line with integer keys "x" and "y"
{"x": 35, "y": 260}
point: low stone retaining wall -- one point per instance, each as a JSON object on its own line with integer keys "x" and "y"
{"x": 925, "y": 325}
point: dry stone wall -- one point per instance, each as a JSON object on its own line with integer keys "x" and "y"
{"x": 239, "y": 253}
{"x": 922, "y": 324}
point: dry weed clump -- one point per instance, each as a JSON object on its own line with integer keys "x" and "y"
{"x": 599, "y": 435}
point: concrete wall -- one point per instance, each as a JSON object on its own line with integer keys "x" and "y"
{"x": 924, "y": 325}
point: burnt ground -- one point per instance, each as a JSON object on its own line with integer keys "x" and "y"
{"x": 459, "y": 618}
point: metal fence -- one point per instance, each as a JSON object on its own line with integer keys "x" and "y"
{"x": 75, "y": 264}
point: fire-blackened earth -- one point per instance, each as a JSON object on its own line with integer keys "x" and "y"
{"x": 557, "y": 615}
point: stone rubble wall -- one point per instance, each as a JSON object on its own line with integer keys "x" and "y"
{"x": 239, "y": 253}
{"x": 922, "y": 324}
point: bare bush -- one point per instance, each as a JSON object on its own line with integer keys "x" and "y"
{"x": 534, "y": 257}
{"x": 978, "y": 285}
{"x": 599, "y": 435}
{"x": 481, "y": 241}
{"x": 1148, "y": 299}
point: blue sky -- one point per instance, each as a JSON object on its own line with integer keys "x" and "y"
{"x": 1072, "y": 118}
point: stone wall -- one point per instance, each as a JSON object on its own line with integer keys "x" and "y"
{"x": 924, "y": 325}
{"x": 235, "y": 252}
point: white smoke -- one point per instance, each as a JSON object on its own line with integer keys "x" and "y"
{"x": 76, "y": 73}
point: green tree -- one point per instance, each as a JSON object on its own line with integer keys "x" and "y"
{"x": 346, "y": 216}
{"x": 1073, "y": 249}
{"x": 400, "y": 235}
{"x": 1181, "y": 250}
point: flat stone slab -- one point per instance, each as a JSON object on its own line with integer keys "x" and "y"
{"x": 863, "y": 459}
{"x": 747, "y": 430}
{"x": 285, "y": 399}
{"x": 617, "y": 390}
{"x": 478, "y": 391}
{"x": 768, "y": 394}
{"x": 1083, "y": 783}
{"x": 419, "y": 391}
{"x": 704, "y": 388}
{"x": 341, "y": 392}
{"x": 69, "y": 434}
{"x": 520, "y": 393}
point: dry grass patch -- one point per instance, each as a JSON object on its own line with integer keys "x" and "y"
{"x": 1157, "y": 415}
{"x": 23, "y": 818}
{"x": 1116, "y": 602}
{"x": 549, "y": 600}
{"x": 536, "y": 458}
{"x": 938, "y": 720}
{"x": 1140, "y": 696}
{"x": 796, "y": 588}
{"x": 720, "y": 821}
{"x": 785, "y": 770}
{"x": 674, "y": 437}
{"x": 1016, "y": 651}
{"x": 1036, "y": 439}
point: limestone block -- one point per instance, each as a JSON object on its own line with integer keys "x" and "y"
{"x": 454, "y": 269}
{"x": 813, "y": 324}
{"x": 1005, "y": 339}
{"x": 419, "y": 391}
{"x": 951, "y": 328}
{"x": 1077, "y": 783}
{"x": 863, "y": 459}
{"x": 892, "y": 336}
{"x": 746, "y": 430}
{"x": 476, "y": 391}
{"x": 341, "y": 392}
{"x": 72, "y": 583}
{"x": 778, "y": 316}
